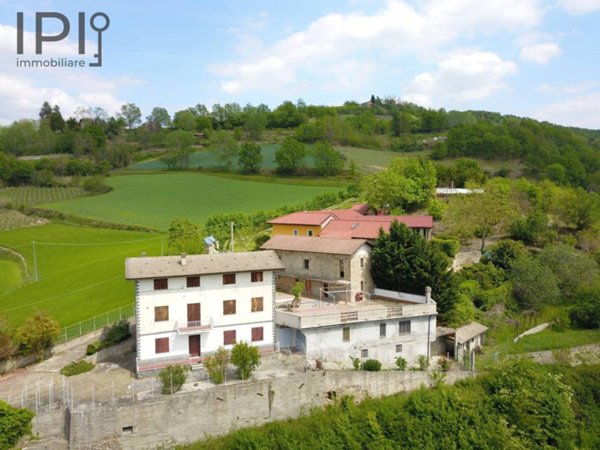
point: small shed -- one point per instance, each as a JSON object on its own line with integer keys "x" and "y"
{"x": 469, "y": 338}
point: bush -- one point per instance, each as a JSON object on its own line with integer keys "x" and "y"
{"x": 586, "y": 312}
{"x": 372, "y": 365}
{"x": 15, "y": 423}
{"x": 92, "y": 348}
{"x": 450, "y": 247}
{"x": 423, "y": 362}
{"x": 355, "y": 363}
{"x": 95, "y": 185}
{"x": 444, "y": 364}
{"x": 76, "y": 368}
{"x": 216, "y": 364}
{"x": 172, "y": 378}
{"x": 245, "y": 357}
{"x": 505, "y": 253}
{"x": 401, "y": 363}
{"x": 115, "y": 333}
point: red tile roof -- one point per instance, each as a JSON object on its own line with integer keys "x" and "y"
{"x": 302, "y": 218}
{"x": 313, "y": 244}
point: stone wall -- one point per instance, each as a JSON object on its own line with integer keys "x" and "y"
{"x": 187, "y": 417}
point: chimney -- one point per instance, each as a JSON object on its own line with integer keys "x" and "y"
{"x": 427, "y": 294}
{"x": 183, "y": 261}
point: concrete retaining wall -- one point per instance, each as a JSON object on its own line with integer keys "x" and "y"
{"x": 187, "y": 417}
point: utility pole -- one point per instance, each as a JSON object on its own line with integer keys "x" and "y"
{"x": 231, "y": 241}
{"x": 35, "y": 268}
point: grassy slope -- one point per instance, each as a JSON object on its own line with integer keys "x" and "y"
{"x": 155, "y": 199}
{"x": 10, "y": 276}
{"x": 366, "y": 159}
{"x": 551, "y": 340}
{"x": 76, "y": 282}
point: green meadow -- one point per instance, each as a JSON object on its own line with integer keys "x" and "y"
{"x": 80, "y": 270}
{"x": 367, "y": 160}
{"x": 154, "y": 200}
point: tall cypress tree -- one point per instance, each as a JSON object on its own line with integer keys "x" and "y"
{"x": 402, "y": 260}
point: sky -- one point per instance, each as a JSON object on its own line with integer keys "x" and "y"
{"x": 531, "y": 58}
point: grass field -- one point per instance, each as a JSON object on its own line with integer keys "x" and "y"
{"x": 552, "y": 340}
{"x": 10, "y": 276}
{"x": 31, "y": 196}
{"x": 80, "y": 270}
{"x": 367, "y": 160}
{"x": 154, "y": 200}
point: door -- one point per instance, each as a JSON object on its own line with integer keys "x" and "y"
{"x": 193, "y": 314}
{"x": 194, "y": 345}
{"x": 325, "y": 289}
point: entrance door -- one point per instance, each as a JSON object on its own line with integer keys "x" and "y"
{"x": 325, "y": 289}
{"x": 194, "y": 345}
{"x": 193, "y": 313}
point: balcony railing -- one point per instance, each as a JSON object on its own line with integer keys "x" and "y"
{"x": 194, "y": 326}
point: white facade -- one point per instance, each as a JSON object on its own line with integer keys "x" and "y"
{"x": 180, "y": 324}
{"x": 397, "y": 327}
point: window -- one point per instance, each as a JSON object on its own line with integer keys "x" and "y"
{"x": 161, "y": 345}
{"x": 161, "y": 313}
{"x": 364, "y": 353}
{"x": 257, "y": 334}
{"x": 256, "y": 304}
{"x": 382, "y": 330}
{"x": 362, "y": 286}
{"x": 346, "y": 334}
{"x": 193, "y": 282}
{"x": 295, "y": 232}
{"x": 228, "y": 307}
{"x": 309, "y": 233}
{"x": 341, "y": 268}
{"x": 256, "y": 277}
{"x": 404, "y": 327}
{"x": 398, "y": 348}
{"x": 229, "y": 278}
{"x": 161, "y": 283}
{"x": 306, "y": 264}
{"x": 229, "y": 337}
{"x": 362, "y": 262}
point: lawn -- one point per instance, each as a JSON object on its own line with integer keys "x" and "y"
{"x": 80, "y": 270}
{"x": 154, "y": 200}
{"x": 10, "y": 276}
{"x": 367, "y": 160}
{"x": 553, "y": 340}
{"x": 31, "y": 196}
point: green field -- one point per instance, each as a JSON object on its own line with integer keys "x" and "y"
{"x": 10, "y": 276}
{"x": 80, "y": 270}
{"x": 154, "y": 200}
{"x": 366, "y": 159}
{"x": 31, "y": 196}
{"x": 553, "y": 340}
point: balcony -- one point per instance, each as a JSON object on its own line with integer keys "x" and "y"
{"x": 195, "y": 326}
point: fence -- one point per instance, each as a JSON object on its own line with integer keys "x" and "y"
{"x": 95, "y": 323}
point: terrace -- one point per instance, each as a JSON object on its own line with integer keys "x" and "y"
{"x": 380, "y": 306}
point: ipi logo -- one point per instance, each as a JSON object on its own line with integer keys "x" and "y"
{"x": 99, "y": 22}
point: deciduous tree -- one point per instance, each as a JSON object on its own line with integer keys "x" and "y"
{"x": 250, "y": 157}
{"x": 184, "y": 237}
{"x": 246, "y": 358}
{"x": 328, "y": 161}
{"x": 37, "y": 333}
{"x": 131, "y": 114}
{"x": 289, "y": 156}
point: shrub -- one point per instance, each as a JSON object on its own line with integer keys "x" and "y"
{"x": 37, "y": 333}
{"x": 444, "y": 364}
{"x": 95, "y": 185}
{"x": 15, "y": 423}
{"x": 423, "y": 362}
{"x": 76, "y": 368}
{"x": 216, "y": 364}
{"x": 92, "y": 348}
{"x": 401, "y": 363}
{"x": 115, "y": 333}
{"x": 372, "y": 365}
{"x": 450, "y": 247}
{"x": 172, "y": 378}
{"x": 505, "y": 253}
{"x": 586, "y": 312}
{"x": 355, "y": 363}
{"x": 245, "y": 357}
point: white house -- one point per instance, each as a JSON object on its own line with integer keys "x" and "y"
{"x": 188, "y": 306}
{"x": 384, "y": 326}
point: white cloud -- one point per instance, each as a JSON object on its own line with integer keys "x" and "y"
{"x": 579, "y": 111}
{"x": 574, "y": 89}
{"x": 579, "y": 6}
{"x": 315, "y": 54}
{"x": 23, "y": 90}
{"x": 461, "y": 77}
{"x": 540, "y": 53}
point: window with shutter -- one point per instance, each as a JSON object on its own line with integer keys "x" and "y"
{"x": 161, "y": 313}
{"x": 161, "y": 345}
{"x": 257, "y": 304}
{"x": 257, "y": 334}
{"x": 228, "y": 307}
{"x": 229, "y": 337}
{"x": 161, "y": 283}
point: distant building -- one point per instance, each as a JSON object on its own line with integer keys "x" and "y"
{"x": 188, "y": 306}
{"x": 354, "y": 223}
